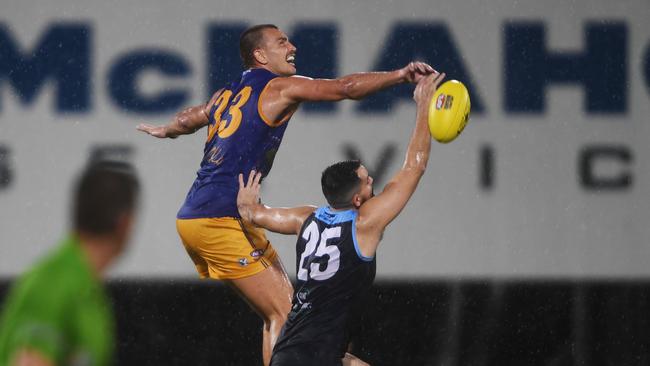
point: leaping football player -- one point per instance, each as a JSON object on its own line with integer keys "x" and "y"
{"x": 246, "y": 120}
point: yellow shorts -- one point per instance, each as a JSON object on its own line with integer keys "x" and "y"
{"x": 225, "y": 247}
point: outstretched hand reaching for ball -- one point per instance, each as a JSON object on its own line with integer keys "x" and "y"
{"x": 426, "y": 88}
{"x": 416, "y": 71}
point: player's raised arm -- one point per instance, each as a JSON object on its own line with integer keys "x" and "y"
{"x": 280, "y": 220}
{"x": 185, "y": 122}
{"x": 298, "y": 89}
{"x": 380, "y": 210}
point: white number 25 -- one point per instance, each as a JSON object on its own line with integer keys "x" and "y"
{"x": 313, "y": 238}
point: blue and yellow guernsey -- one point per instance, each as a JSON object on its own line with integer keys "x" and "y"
{"x": 240, "y": 139}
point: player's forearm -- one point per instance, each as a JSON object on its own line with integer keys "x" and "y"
{"x": 417, "y": 153}
{"x": 282, "y": 220}
{"x": 262, "y": 216}
{"x": 278, "y": 220}
{"x": 358, "y": 86}
{"x": 249, "y": 212}
{"x": 187, "y": 122}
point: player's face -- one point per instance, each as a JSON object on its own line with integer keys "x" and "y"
{"x": 279, "y": 52}
{"x": 365, "y": 191}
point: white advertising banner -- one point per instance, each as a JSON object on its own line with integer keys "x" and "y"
{"x": 549, "y": 179}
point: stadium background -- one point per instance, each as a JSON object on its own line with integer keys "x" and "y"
{"x": 526, "y": 242}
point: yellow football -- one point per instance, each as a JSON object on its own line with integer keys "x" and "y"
{"x": 449, "y": 111}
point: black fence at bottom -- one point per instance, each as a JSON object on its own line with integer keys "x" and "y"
{"x": 446, "y": 322}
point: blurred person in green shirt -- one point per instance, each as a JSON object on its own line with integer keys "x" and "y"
{"x": 58, "y": 313}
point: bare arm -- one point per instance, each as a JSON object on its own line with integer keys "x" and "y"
{"x": 280, "y": 220}
{"x": 29, "y": 357}
{"x": 185, "y": 122}
{"x": 284, "y": 93}
{"x": 354, "y": 86}
{"x": 380, "y": 210}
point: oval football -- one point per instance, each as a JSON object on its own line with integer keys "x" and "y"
{"x": 449, "y": 111}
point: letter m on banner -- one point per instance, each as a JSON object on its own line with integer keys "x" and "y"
{"x": 62, "y": 55}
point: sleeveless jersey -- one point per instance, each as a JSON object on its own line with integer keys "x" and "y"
{"x": 240, "y": 139}
{"x": 332, "y": 275}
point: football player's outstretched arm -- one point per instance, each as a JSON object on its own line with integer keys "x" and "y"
{"x": 354, "y": 86}
{"x": 283, "y": 94}
{"x": 280, "y": 220}
{"x": 185, "y": 122}
{"x": 379, "y": 211}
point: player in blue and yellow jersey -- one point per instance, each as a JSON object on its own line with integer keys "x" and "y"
{"x": 246, "y": 120}
{"x": 337, "y": 243}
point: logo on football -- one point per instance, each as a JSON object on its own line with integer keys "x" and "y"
{"x": 440, "y": 102}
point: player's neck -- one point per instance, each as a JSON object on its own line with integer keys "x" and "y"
{"x": 256, "y": 67}
{"x": 98, "y": 250}
{"x": 341, "y": 209}
{"x": 264, "y": 67}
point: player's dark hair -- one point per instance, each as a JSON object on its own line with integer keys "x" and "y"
{"x": 105, "y": 190}
{"x": 340, "y": 182}
{"x": 249, "y": 41}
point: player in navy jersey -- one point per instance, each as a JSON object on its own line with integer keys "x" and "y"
{"x": 246, "y": 120}
{"x": 335, "y": 251}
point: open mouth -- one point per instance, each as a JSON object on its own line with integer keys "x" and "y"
{"x": 291, "y": 59}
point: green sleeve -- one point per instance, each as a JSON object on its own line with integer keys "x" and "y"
{"x": 41, "y": 336}
{"x": 34, "y": 317}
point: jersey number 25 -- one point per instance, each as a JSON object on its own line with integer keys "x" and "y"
{"x": 318, "y": 242}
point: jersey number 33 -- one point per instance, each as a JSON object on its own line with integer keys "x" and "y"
{"x": 230, "y": 123}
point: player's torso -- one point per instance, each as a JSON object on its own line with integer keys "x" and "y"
{"x": 239, "y": 139}
{"x": 331, "y": 277}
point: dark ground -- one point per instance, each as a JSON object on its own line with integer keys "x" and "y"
{"x": 445, "y": 322}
